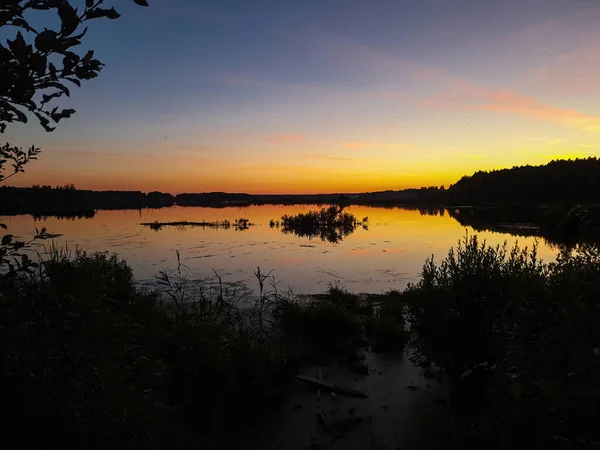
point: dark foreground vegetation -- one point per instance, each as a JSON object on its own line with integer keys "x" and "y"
{"x": 89, "y": 361}
{"x": 518, "y": 339}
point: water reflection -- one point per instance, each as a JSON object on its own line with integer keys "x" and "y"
{"x": 387, "y": 255}
{"x": 330, "y": 224}
{"x": 65, "y": 216}
{"x": 558, "y": 227}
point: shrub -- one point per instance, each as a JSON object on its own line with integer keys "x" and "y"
{"x": 518, "y": 338}
{"x": 386, "y": 324}
{"x": 79, "y": 361}
{"x": 388, "y": 333}
{"x": 457, "y": 307}
{"x": 89, "y": 361}
{"x": 321, "y": 326}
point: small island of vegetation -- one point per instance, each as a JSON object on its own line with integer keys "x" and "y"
{"x": 330, "y": 224}
{"x": 240, "y": 224}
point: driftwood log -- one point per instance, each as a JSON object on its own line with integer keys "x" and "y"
{"x": 331, "y": 387}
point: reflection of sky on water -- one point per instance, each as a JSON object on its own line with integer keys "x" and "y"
{"x": 389, "y": 255}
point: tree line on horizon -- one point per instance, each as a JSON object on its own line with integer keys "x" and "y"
{"x": 559, "y": 181}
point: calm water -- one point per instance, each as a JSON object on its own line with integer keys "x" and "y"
{"x": 387, "y": 255}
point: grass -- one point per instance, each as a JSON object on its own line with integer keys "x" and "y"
{"x": 338, "y": 323}
{"x": 88, "y": 360}
{"x": 386, "y": 326}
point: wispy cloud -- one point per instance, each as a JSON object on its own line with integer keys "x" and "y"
{"x": 364, "y": 145}
{"x": 357, "y": 145}
{"x": 470, "y": 96}
{"x": 283, "y": 139}
{"x": 573, "y": 72}
{"x": 332, "y": 158}
{"x": 451, "y": 91}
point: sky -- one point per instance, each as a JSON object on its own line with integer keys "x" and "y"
{"x": 272, "y": 96}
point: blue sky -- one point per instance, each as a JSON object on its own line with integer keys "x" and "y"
{"x": 281, "y": 96}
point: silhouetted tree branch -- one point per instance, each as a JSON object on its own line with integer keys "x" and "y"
{"x": 37, "y": 66}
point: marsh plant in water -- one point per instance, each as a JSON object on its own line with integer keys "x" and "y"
{"x": 330, "y": 224}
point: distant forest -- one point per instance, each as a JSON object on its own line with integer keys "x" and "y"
{"x": 558, "y": 182}
{"x": 563, "y": 181}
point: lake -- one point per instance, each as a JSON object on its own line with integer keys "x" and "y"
{"x": 387, "y": 255}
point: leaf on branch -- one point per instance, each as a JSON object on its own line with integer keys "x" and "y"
{"x": 99, "y": 12}
{"x": 20, "y": 115}
{"x": 44, "y": 122}
{"x": 67, "y": 43}
{"x": 3, "y": 225}
{"x": 141, "y": 2}
{"x": 46, "y": 41}
{"x": 68, "y": 65}
{"x": 88, "y": 57}
{"x": 72, "y": 56}
{"x": 74, "y": 81}
{"x": 57, "y": 85}
{"x": 80, "y": 35}
{"x": 52, "y": 69}
{"x": 20, "y": 22}
{"x": 47, "y": 97}
{"x": 7, "y": 239}
{"x": 18, "y": 46}
{"x": 38, "y": 63}
{"x": 40, "y": 6}
{"x": 69, "y": 18}
{"x": 64, "y": 114}
{"x": 33, "y": 150}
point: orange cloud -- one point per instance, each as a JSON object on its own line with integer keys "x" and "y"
{"x": 470, "y": 96}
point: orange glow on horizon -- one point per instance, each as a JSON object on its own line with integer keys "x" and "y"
{"x": 277, "y": 180}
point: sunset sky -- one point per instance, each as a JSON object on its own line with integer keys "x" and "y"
{"x": 325, "y": 95}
